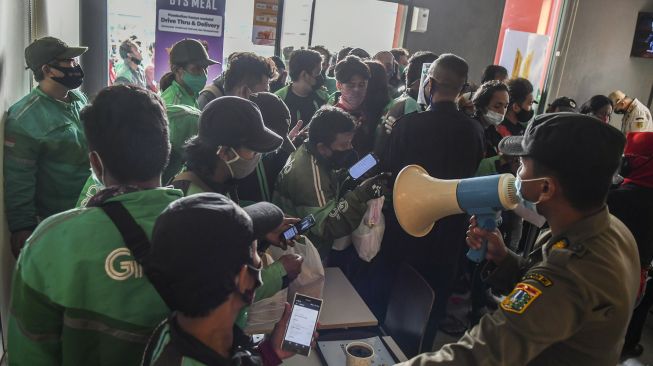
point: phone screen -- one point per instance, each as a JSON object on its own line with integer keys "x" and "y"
{"x": 303, "y": 320}
{"x": 362, "y": 166}
{"x": 299, "y": 228}
{"x": 290, "y": 233}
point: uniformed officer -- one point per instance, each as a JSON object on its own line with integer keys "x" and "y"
{"x": 45, "y": 161}
{"x": 637, "y": 117}
{"x": 570, "y": 299}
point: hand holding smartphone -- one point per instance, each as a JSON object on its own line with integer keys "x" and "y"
{"x": 363, "y": 166}
{"x": 304, "y": 315}
{"x": 299, "y": 228}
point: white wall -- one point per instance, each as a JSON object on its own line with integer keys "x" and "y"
{"x": 598, "y": 59}
{"x": 14, "y": 83}
{"x": 57, "y": 18}
{"x": 367, "y": 24}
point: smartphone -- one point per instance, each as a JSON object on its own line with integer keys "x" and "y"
{"x": 363, "y": 166}
{"x": 303, "y": 321}
{"x": 300, "y": 227}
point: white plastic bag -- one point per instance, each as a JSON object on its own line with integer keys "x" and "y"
{"x": 368, "y": 235}
{"x": 267, "y": 311}
{"x": 310, "y": 281}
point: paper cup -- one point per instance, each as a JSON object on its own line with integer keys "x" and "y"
{"x": 359, "y": 354}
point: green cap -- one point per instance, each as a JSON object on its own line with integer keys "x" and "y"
{"x": 189, "y": 51}
{"x": 48, "y": 49}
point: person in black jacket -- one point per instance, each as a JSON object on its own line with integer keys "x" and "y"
{"x": 632, "y": 203}
{"x": 449, "y": 145}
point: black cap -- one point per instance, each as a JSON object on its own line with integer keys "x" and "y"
{"x": 235, "y": 122}
{"x": 276, "y": 115}
{"x": 48, "y": 49}
{"x": 563, "y": 104}
{"x": 567, "y": 142}
{"x": 199, "y": 243}
{"x": 190, "y": 51}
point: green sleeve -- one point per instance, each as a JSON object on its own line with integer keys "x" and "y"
{"x": 35, "y": 324}
{"x": 336, "y": 219}
{"x": 20, "y": 168}
{"x": 272, "y": 276}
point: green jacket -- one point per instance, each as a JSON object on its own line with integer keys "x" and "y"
{"x": 183, "y": 121}
{"x": 305, "y": 187}
{"x": 176, "y": 94}
{"x": 78, "y": 297}
{"x": 330, "y": 85}
{"x": 45, "y": 157}
{"x": 125, "y": 75}
{"x": 271, "y": 275}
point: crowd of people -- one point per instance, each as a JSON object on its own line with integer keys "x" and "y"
{"x": 139, "y": 218}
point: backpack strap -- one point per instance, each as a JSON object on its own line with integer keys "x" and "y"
{"x": 133, "y": 235}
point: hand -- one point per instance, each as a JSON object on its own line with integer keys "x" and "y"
{"x": 389, "y": 124}
{"x": 276, "y": 238}
{"x": 298, "y": 131}
{"x": 292, "y": 263}
{"x": 18, "y": 241}
{"x": 278, "y": 332}
{"x": 496, "y": 249}
{"x": 376, "y": 186}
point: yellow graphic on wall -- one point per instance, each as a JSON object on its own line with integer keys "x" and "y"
{"x": 519, "y": 70}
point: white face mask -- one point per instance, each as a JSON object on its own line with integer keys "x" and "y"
{"x": 493, "y": 117}
{"x": 241, "y": 168}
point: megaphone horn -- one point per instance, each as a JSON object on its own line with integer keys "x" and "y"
{"x": 420, "y": 200}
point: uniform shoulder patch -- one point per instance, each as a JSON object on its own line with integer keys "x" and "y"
{"x": 521, "y": 297}
{"x": 546, "y": 282}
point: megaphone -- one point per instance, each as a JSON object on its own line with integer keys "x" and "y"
{"x": 421, "y": 200}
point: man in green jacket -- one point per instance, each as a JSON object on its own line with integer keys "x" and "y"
{"x": 130, "y": 70}
{"x": 79, "y": 297}
{"x": 231, "y": 141}
{"x": 183, "y": 122}
{"x": 189, "y": 63}
{"x": 311, "y": 183}
{"x": 306, "y": 93}
{"x": 45, "y": 153}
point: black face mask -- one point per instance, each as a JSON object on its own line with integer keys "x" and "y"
{"x": 319, "y": 82}
{"x": 343, "y": 159}
{"x": 137, "y": 61}
{"x": 73, "y": 76}
{"x": 524, "y": 116}
{"x": 621, "y": 111}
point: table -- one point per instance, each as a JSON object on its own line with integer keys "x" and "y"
{"x": 342, "y": 308}
{"x": 314, "y": 359}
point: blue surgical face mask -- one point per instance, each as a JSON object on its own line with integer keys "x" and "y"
{"x": 518, "y": 185}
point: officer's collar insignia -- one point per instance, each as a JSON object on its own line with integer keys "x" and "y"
{"x": 521, "y": 297}
{"x": 545, "y": 281}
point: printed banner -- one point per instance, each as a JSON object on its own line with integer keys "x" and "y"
{"x": 197, "y": 19}
{"x": 264, "y": 31}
